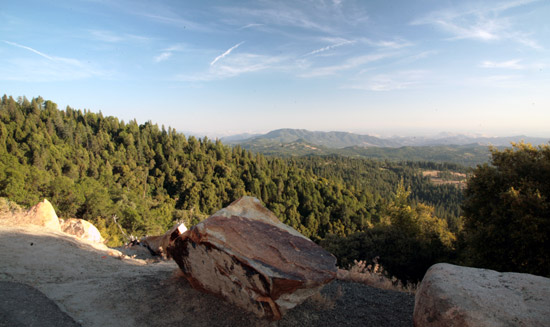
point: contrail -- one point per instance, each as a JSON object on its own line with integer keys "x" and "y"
{"x": 225, "y": 53}
{"x": 30, "y": 49}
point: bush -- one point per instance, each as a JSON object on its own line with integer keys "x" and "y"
{"x": 507, "y": 211}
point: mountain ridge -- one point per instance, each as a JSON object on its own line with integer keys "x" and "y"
{"x": 340, "y": 140}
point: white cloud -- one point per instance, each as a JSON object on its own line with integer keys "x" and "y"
{"x": 510, "y": 64}
{"x": 329, "y": 47}
{"x": 346, "y": 65}
{"x": 167, "y": 53}
{"x": 105, "y": 36}
{"x": 393, "y": 81}
{"x": 226, "y": 53}
{"x": 483, "y": 23}
{"x": 163, "y": 56}
{"x": 111, "y": 37}
{"x": 30, "y": 49}
{"x": 235, "y": 65}
{"x": 282, "y": 15}
{"x": 47, "y": 68}
{"x": 251, "y": 26}
{"x": 388, "y": 44}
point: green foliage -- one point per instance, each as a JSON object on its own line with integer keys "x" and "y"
{"x": 97, "y": 167}
{"x": 467, "y": 155}
{"x": 507, "y": 211}
{"x": 94, "y": 167}
{"x": 376, "y": 181}
{"x": 407, "y": 241}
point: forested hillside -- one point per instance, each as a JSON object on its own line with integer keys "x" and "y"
{"x": 466, "y": 155}
{"x": 95, "y": 167}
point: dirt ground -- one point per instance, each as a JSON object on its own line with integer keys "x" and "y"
{"x": 96, "y": 287}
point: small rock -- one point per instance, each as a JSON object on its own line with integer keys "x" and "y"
{"x": 452, "y": 295}
{"x": 246, "y": 255}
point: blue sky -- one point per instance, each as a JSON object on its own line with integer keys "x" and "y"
{"x": 226, "y": 67}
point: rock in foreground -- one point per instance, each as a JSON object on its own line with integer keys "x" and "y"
{"x": 452, "y": 295}
{"x": 246, "y": 255}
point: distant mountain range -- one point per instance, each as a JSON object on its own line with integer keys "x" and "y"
{"x": 340, "y": 140}
{"x": 456, "y": 148}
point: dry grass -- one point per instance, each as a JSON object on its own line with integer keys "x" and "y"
{"x": 326, "y": 302}
{"x": 373, "y": 275}
{"x": 9, "y": 209}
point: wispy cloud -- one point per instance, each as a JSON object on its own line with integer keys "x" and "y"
{"x": 175, "y": 21}
{"x": 501, "y": 81}
{"x": 226, "y": 53}
{"x": 168, "y": 52}
{"x": 346, "y": 65}
{"x": 46, "y": 68}
{"x": 235, "y": 65}
{"x": 510, "y": 64}
{"x": 388, "y": 44}
{"x": 330, "y": 47}
{"x": 30, "y": 49}
{"x": 392, "y": 81}
{"x": 163, "y": 56}
{"x": 105, "y": 36}
{"x": 483, "y": 23}
{"x": 111, "y": 37}
{"x": 279, "y": 14}
{"x": 251, "y": 26}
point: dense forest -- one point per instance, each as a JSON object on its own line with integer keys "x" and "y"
{"x": 150, "y": 177}
{"x": 466, "y": 155}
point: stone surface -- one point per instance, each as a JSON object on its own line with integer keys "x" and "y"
{"x": 42, "y": 214}
{"x": 22, "y": 305}
{"x": 81, "y": 229}
{"x": 452, "y": 295}
{"x": 246, "y": 255}
{"x": 157, "y": 245}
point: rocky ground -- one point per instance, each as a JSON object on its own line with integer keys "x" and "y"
{"x": 97, "y": 287}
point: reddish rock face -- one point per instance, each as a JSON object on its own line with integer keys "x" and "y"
{"x": 246, "y": 255}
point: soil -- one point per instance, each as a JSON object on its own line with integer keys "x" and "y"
{"x": 98, "y": 286}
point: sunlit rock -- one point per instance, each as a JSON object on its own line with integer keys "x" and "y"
{"x": 42, "y": 214}
{"x": 246, "y": 255}
{"x": 452, "y": 295}
{"x": 81, "y": 229}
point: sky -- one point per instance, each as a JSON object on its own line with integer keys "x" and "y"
{"x": 219, "y": 68}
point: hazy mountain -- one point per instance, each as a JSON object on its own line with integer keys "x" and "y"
{"x": 238, "y": 137}
{"x": 340, "y": 140}
{"x": 336, "y": 140}
{"x": 468, "y": 150}
{"x": 463, "y": 139}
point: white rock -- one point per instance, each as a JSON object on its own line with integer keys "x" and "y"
{"x": 81, "y": 229}
{"x": 452, "y": 295}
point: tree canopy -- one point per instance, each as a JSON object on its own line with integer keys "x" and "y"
{"x": 507, "y": 211}
{"x": 95, "y": 167}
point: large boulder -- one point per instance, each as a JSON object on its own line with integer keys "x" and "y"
{"x": 81, "y": 229}
{"x": 42, "y": 214}
{"x": 246, "y": 255}
{"x": 452, "y": 295}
